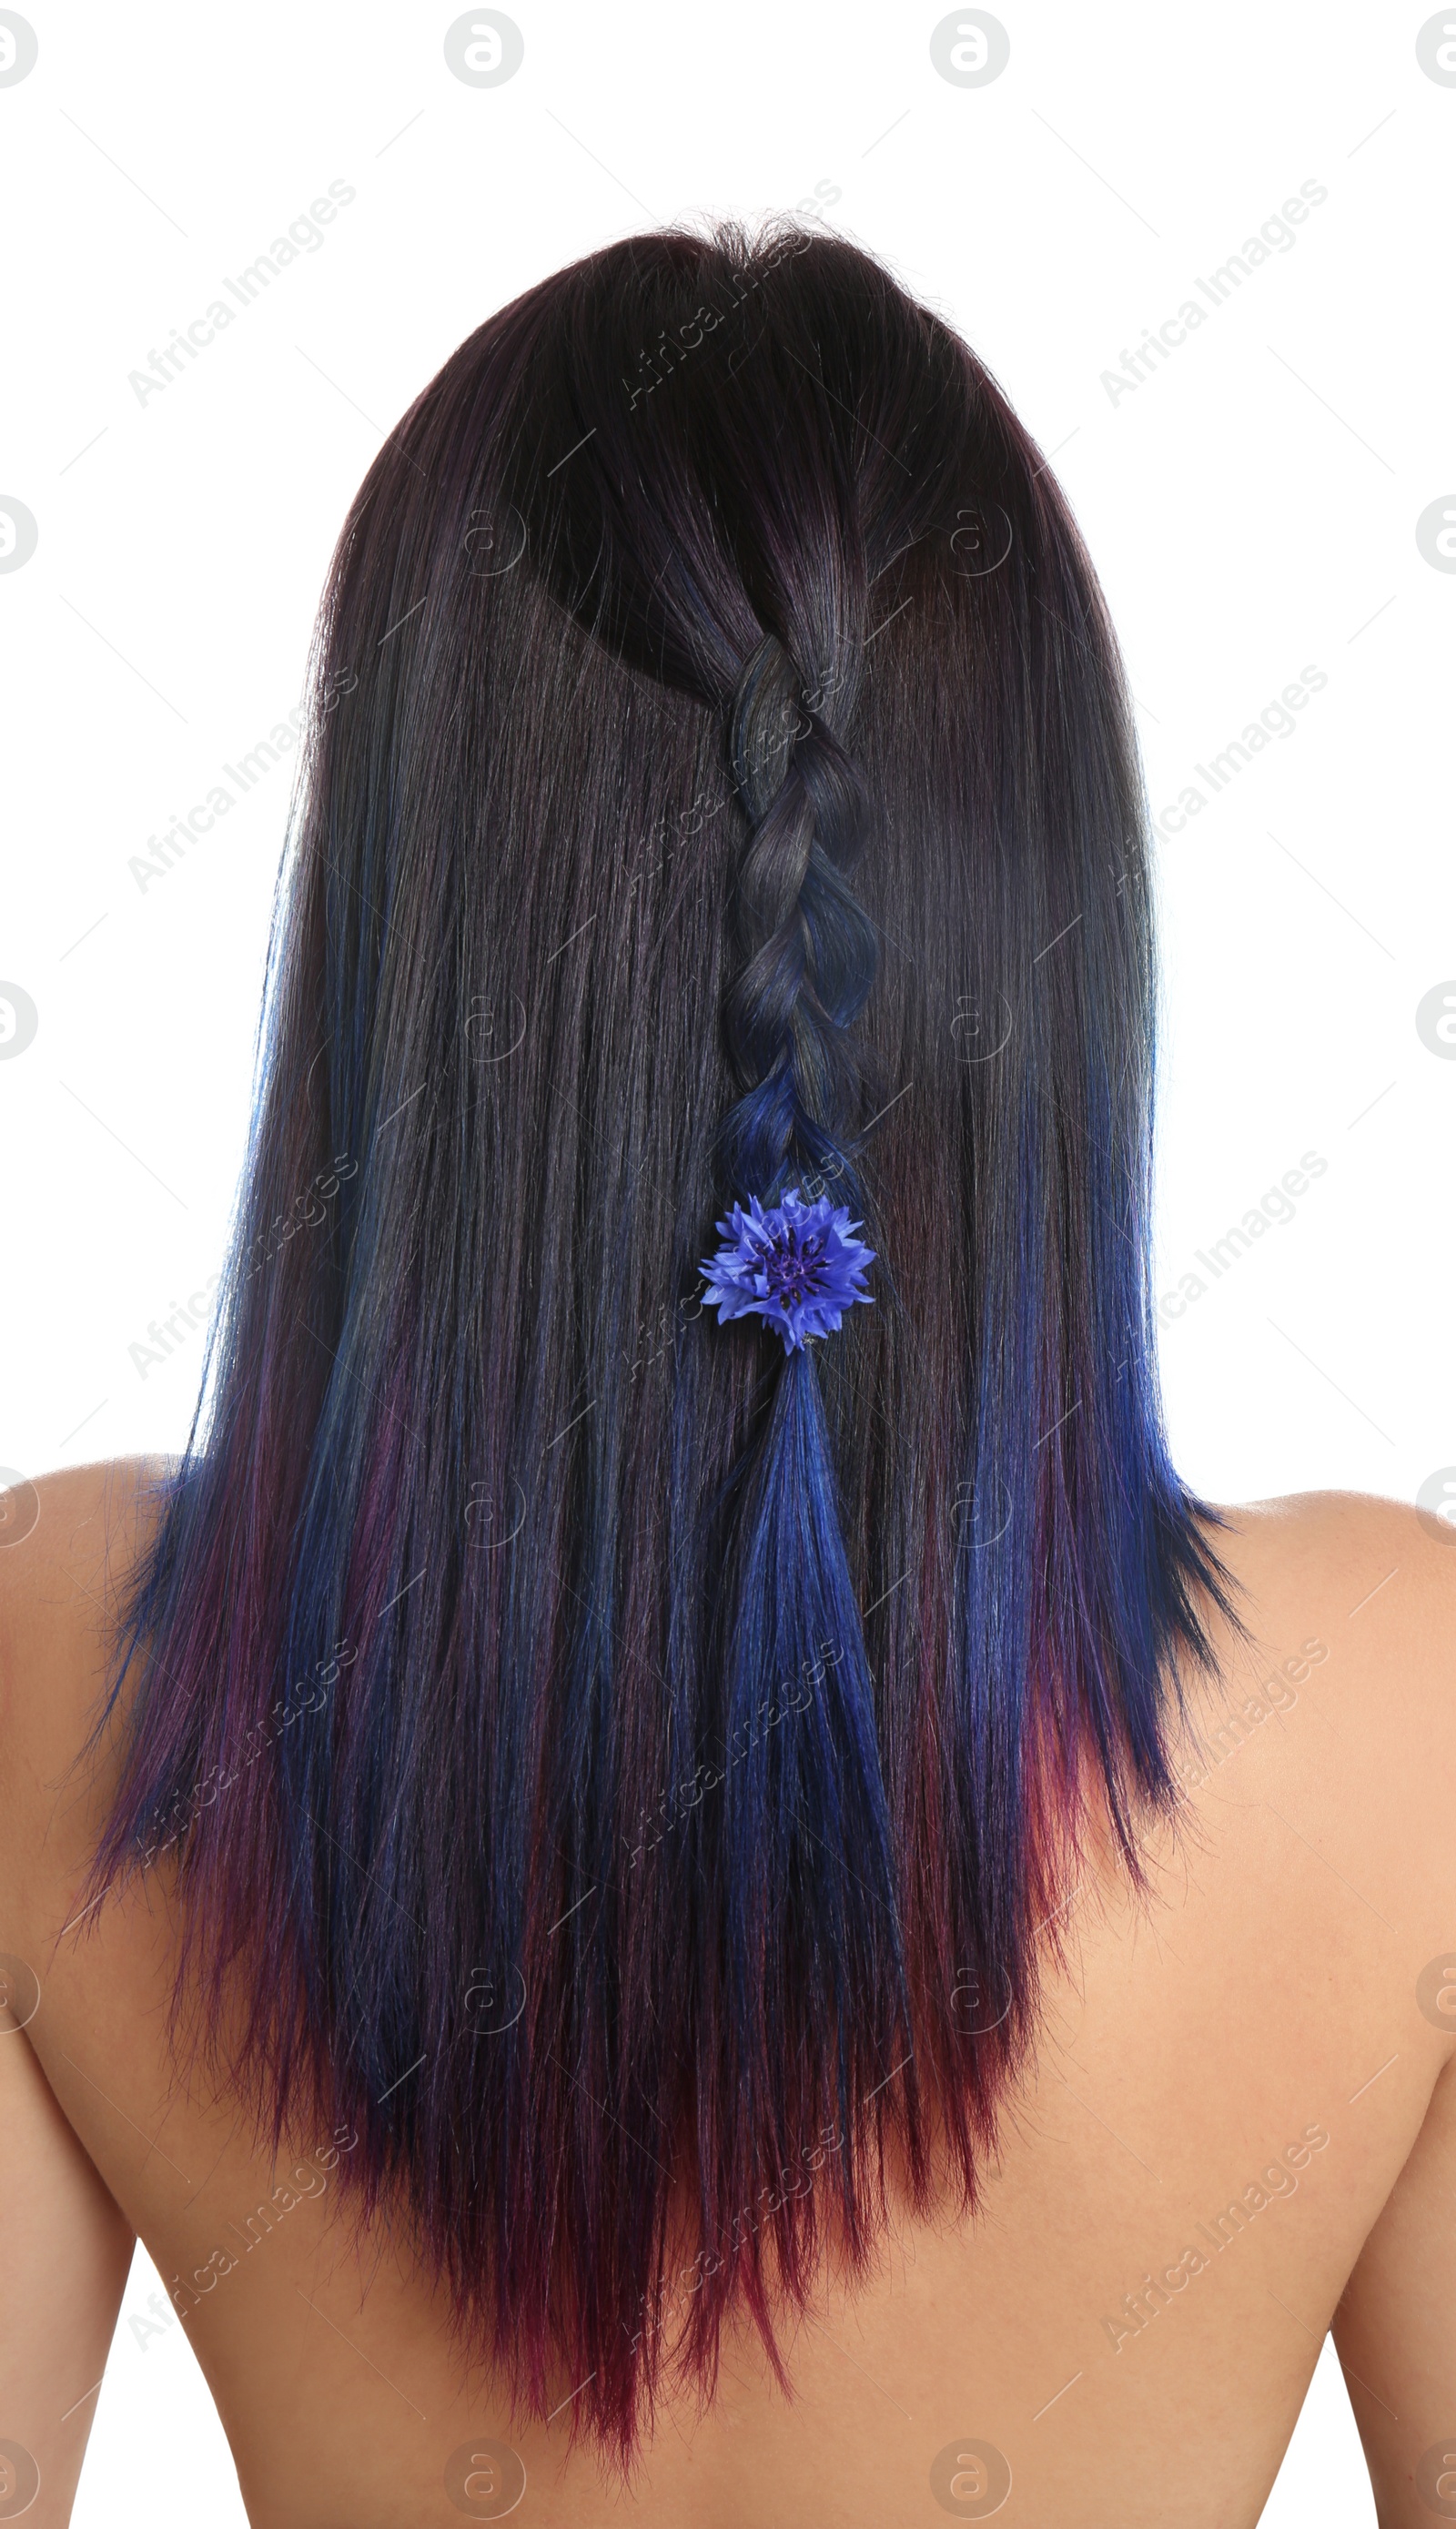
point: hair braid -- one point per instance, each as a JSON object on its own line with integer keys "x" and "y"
{"x": 810, "y": 948}
{"x": 813, "y": 1910}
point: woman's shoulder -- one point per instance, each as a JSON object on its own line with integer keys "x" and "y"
{"x": 1370, "y": 1581}
{"x": 1356, "y": 1587}
{"x": 69, "y": 1542}
{"x": 70, "y": 1539}
{"x": 1374, "y": 1578}
{"x": 1349, "y": 1601}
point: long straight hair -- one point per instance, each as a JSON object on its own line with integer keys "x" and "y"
{"x": 625, "y": 1770}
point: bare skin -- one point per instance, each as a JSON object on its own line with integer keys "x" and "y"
{"x": 1239, "y": 2130}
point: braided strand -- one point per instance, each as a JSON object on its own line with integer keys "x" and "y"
{"x": 813, "y": 1921}
{"x": 810, "y": 949}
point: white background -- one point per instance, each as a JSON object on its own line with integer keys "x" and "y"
{"x": 1251, "y": 506}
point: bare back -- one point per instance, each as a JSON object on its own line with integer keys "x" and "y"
{"x": 1239, "y": 2128}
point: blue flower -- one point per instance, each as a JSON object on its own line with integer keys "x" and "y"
{"x": 798, "y": 1265}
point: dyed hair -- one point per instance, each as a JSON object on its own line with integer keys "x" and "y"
{"x": 621, "y": 1769}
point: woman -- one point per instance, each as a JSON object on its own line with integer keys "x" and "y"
{"x": 673, "y": 1868}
